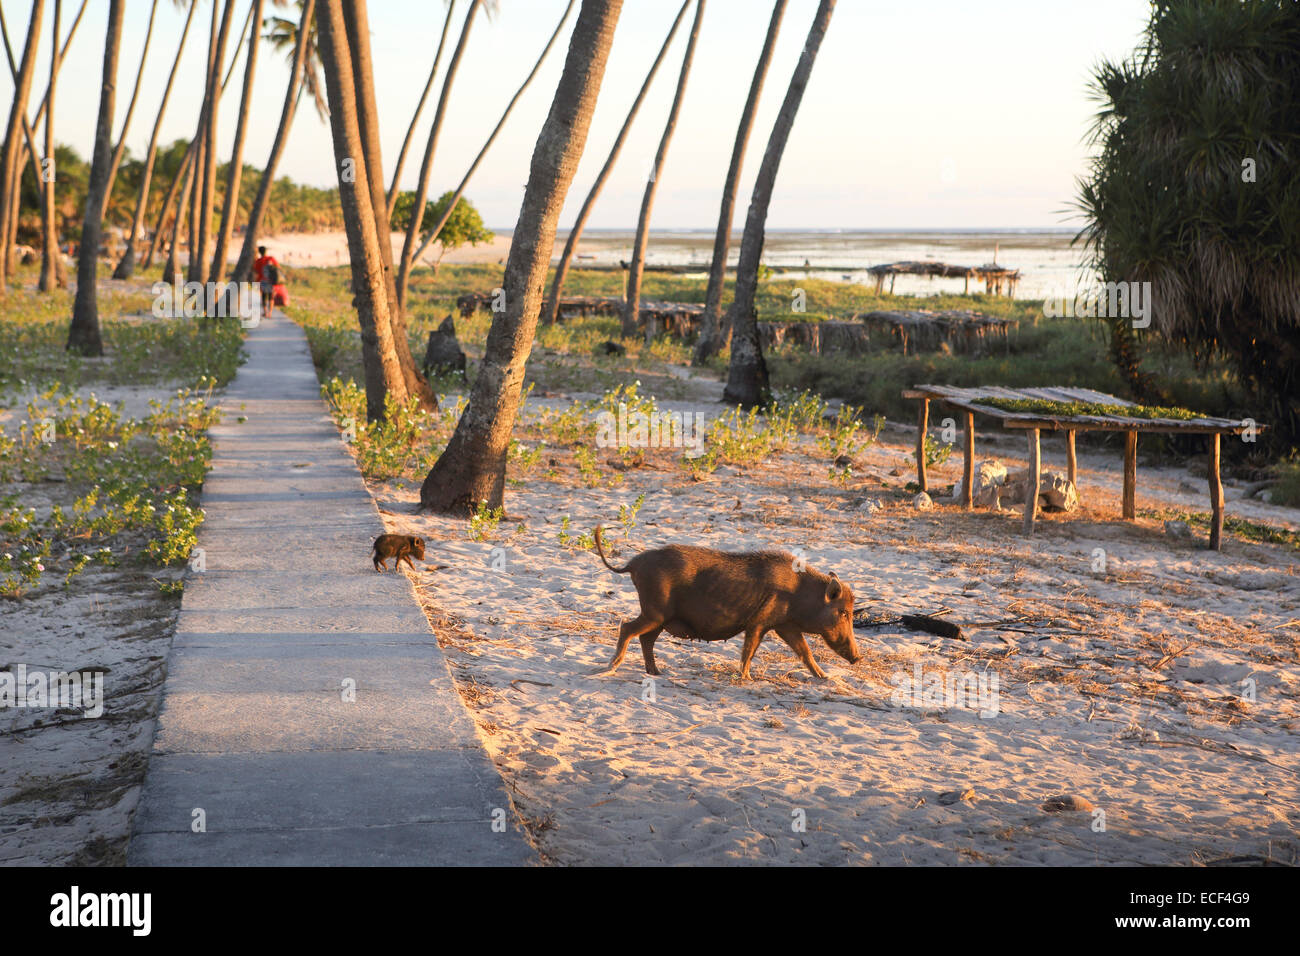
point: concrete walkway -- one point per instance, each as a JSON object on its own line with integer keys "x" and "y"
{"x": 256, "y": 737}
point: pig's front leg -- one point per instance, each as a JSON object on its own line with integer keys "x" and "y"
{"x": 752, "y": 638}
{"x": 795, "y": 640}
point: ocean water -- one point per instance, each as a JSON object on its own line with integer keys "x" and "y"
{"x": 1048, "y": 262}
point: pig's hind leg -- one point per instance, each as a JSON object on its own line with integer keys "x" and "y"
{"x": 641, "y": 624}
{"x": 648, "y": 651}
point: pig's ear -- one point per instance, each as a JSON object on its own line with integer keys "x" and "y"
{"x": 833, "y": 588}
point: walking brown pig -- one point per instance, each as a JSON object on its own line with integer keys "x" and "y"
{"x": 712, "y": 595}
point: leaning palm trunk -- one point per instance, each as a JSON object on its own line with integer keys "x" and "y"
{"x": 120, "y": 150}
{"x": 50, "y": 279}
{"x": 383, "y": 371}
{"x": 422, "y": 188}
{"x": 206, "y": 183}
{"x": 713, "y": 338}
{"x": 126, "y": 265}
{"x": 230, "y": 208}
{"x": 356, "y": 21}
{"x": 186, "y": 174}
{"x": 83, "y": 335}
{"x": 460, "y": 190}
{"x": 244, "y": 266}
{"x": 747, "y": 383}
{"x": 552, "y": 310}
{"x": 175, "y": 189}
{"x": 9, "y": 158}
{"x": 419, "y": 108}
{"x": 632, "y": 297}
{"x": 473, "y": 467}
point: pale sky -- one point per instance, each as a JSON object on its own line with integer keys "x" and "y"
{"x": 920, "y": 113}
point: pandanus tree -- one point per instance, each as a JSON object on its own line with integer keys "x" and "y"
{"x": 552, "y": 310}
{"x": 83, "y": 335}
{"x": 472, "y": 468}
{"x": 1195, "y": 189}
{"x": 747, "y": 383}
{"x": 126, "y": 265}
{"x": 632, "y": 298}
{"x": 713, "y": 337}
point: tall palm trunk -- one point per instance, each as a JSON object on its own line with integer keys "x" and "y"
{"x": 552, "y": 310}
{"x": 9, "y": 158}
{"x": 230, "y": 208}
{"x": 49, "y": 280}
{"x": 419, "y": 108}
{"x": 180, "y": 179}
{"x": 207, "y": 181}
{"x": 460, "y": 190}
{"x": 712, "y": 337}
{"x": 356, "y": 21}
{"x": 126, "y": 265}
{"x": 382, "y": 369}
{"x": 29, "y": 145}
{"x": 83, "y": 335}
{"x": 632, "y": 298}
{"x": 244, "y": 265}
{"x": 747, "y": 383}
{"x": 120, "y": 150}
{"x": 422, "y": 188}
{"x": 186, "y": 174}
{"x": 473, "y": 467}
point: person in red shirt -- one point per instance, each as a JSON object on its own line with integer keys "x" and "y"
{"x": 266, "y": 272}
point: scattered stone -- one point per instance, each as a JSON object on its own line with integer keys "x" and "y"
{"x": 1068, "y": 802}
{"x": 956, "y": 796}
{"x": 986, "y": 485}
{"x": 1188, "y": 487}
{"x": 611, "y": 347}
{"x": 443, "y": 353}
{"x": 1055, "y": 491}
{"x": 1178, "y": 529}
{"x": 844, "y": 461}
{"x": 871, "y": 505}
{"x": 922, "y": 501}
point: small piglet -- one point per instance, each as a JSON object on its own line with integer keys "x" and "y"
{"x": 399, "y": 546}
{"x": 712, "y": 595}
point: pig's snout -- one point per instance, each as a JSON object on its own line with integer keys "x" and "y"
{"x": 847, "y": 649}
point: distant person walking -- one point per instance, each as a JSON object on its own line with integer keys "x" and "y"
{"x": 266, "y": 272}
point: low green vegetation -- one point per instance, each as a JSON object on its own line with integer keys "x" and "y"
{"x": 1046, "y": 407}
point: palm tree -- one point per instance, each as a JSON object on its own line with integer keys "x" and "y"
{"x": 9, "y": 159}
{"x": 419, "y": 108}
{"x": 205, "y": 185}
{"x": 472, "y": 468}
{"x": 632, "y": 298}
{"x": 422, "y": 188}
{"x": 304, "y": 33}
{"x": 712, "y": 338}
{"x": 460, "y": 190}
{"x": 120, "y": 150}
{"x": 381, "y": 367}
{"x": 747, "y": 375}
{"x": 283, "y": 36}
{"x": 552, "y": 310}
{"x": 29, "y": 144}
{"x": 126, "y": 265}
{"x": 50, "y": 279}
{"x": 185, "y": 174}
{"x": 230, "y": 206}
{"x": 83, "y": 335}
{"x": 356, "y": 21}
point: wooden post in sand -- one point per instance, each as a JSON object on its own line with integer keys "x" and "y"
{"x": 1032, "y": 482}
{"x": 1216, "y": 496}
{"x": 1071, "y": 460}
{"x": 1130, "y": 475}
{"x": 968, "y": 464}
{"x": 922, "y": 424}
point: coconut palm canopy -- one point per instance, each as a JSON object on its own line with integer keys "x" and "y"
{"x": 1196, "y": 189}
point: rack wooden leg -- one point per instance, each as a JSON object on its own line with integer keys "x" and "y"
{"x": 968, "y": 465}
{"x": 1071, "y": 461}
{"x": 1032, "y": 482}
{"x": 1130, "y": 475}
{"x": 1216, "y": 496}
{"x": 922, "y": 423}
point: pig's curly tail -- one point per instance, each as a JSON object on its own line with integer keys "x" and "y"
{"x": 600, "y": 549}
